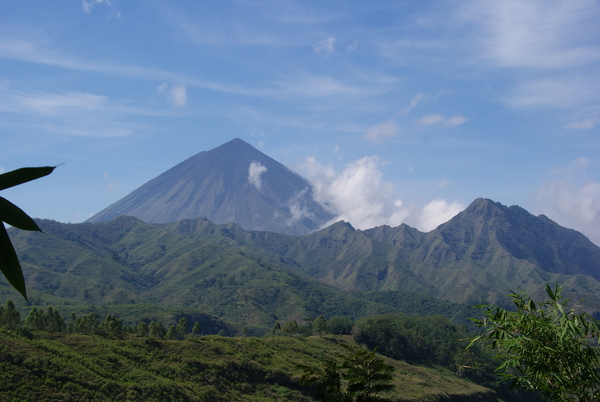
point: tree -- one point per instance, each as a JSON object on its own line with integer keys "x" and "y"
{"x": 156, "y": 329}
{"x": 290, "y": 328}
{"x": 9, "y": 316}
{"x": 276, "y": 328}
{"x": 366, "y": 375}
{"x": 245, "y": 330}
{"x": 197, "y": 329}
{"x": 320, "y": 325}
{"x": 545, "y": 348}
{"x": 328, "y": 379}
{"x": 339, "y": 325}
{"x": 182, "y": 327}
{"x": 112, "y": 325}
{"x": 171, "y": 333}
{"x": 142, "y": 329}
{"x": 14, "y": 216}
{"x": 72, "y": 321}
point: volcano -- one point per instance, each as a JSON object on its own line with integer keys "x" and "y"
{"x": 231, "y": 183}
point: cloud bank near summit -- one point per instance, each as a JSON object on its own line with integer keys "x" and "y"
{"x": 359, "y": 195}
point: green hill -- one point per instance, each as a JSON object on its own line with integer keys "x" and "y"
{"x": 70, "y": 367}
{"x": 142, "y": 271}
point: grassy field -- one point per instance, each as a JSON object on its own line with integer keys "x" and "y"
{"x": 42, "y": 366}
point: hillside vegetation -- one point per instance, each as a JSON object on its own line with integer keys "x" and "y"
{"x": 149, "y": 272}
{"x": 74, "y": 367}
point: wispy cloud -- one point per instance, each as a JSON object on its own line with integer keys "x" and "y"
{"x": 414, "y": 102}
{"x": 176, "y": 94}
{"x": 110, "y": 183}
{"x": 438, "y": 119}
{"x": 298, "y": 211}
{"x": 306, "y": 85}
{"x": 383, "y": 130}
{"x": 564, "y": 92}
{"x": 205, "y": 33}
{"x": 325, "y": 47}
{"x": 537, "y": 33}
{"x": 50, "y": 103}
{"x": 74, "y": 113}
{"x": 314, "y": 86}
{"x": 89, "y": 4}
{"x": 36, "y": 52}
{"x": 583, "y": 124}
{"x": 572, "y": 198}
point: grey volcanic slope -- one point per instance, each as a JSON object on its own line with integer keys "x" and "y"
{"x": 221, "y": 186}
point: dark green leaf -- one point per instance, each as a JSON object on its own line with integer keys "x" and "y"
{"x": 23, "y": 175}
{"x": 9, "y": 263}
{"x": 15, "y": 216}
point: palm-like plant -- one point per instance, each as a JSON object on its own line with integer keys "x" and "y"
{"x": 14, "y": 216}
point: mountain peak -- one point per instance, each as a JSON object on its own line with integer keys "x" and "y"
{"x": 234, "y": 182}
{"x": 487, "y": 226}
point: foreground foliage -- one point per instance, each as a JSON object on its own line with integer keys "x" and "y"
{"x": 366, "y": 375}
{"x": 545, "y": 347}
{"x": 14, "y": 216}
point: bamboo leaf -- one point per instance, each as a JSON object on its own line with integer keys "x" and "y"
{"x": 9, "y": 263}
{"x": 23, "y": 175}
{"x": 15, "y": 216}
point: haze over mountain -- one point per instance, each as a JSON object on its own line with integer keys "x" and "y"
{"x": 231, "y": 183}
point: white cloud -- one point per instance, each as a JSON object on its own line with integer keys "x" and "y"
{"x": 383, "y": 130}
{"x": 431, "y": 119}
{"x": 456, "y": 120}
{"x": 572, "y": 199}
{"x": 178, "y": 96}
{"x": 255, "y": 170}
{"x": 89, "y": 4}
{"x": 325, "y": 47}
{"x": 437, "y": 212}
{"x": 353, "y": 46}
{"x": 537, "y": 33}
{"x": 297, "y": 211}
{"x": 359, "y": 195}
{"x": 416, "y": 100}
{"x": 583, "y": 124}
{"x": 162, "y": 88}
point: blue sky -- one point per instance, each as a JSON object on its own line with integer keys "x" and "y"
{"x": 396, "y": 111}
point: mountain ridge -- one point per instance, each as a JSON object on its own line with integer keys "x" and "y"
{"x": 479, "y": 256}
